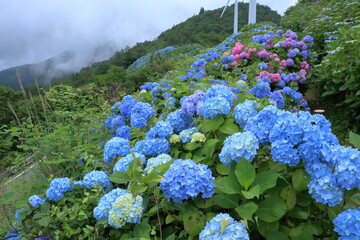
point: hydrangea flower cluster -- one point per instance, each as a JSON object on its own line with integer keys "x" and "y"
{"x": 123, "y": 132}
{"x": 347, "y": 224}
{"x": 115, "y": 147}
{"x": 128, "y": 103}
{"x": 237, "y": 146}
{"x": 233, "y": 230}
{"x": 185, "y": 179}
{"x": 179, "y": 120}
{"x": 140, "y": 113}
{"x": 217, "y": 101}
{"x": 152, "y": 146}
{"x": 95, "y": 178}
{"x": 186, "y": 135}
{"x": 122, "y": 164}
{"x": 198, "y": 137}
{"x": 58, "y": 187}
{"x": 244, "y": 111}
{"x": 35, "y": 201}
{"x": 189, "y": 104}
{"x": 125, "y": 209}
{"x": 156, "y": 161}
{"x": 162, "y": 129}
{"x": 101, "y": 211}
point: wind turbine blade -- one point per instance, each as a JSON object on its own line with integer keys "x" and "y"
{"x": 224, "y": 8}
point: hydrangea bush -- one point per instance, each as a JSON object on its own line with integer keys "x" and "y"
{"x": 236, "y": 155}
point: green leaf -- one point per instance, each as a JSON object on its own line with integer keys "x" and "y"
{"x": 209, "y": 147}
{"x": 222, "y": 169}
{"x": 300, "y": 180}
{"x": 152, "y": 178}
{"x": 211, "y": 124}
{"x": 227, "y": 201}
{"x": 288, "y": 194}
{"x": 169, "y": 219}
{"x": 265, "y": 228}
{"x": 120, "y": 177}
{"x": 228, "y": 185}
{"x": 298, "y": 213}
{"x": 137, "y": 188}
{"x": 253, "y": 192}
{"x": 271, "y": 209}
{"x": 142, "y": 230}
{"x": 192, "y": 146}
{"x": 276, "y": 236}
{"x": 354, "y": 139}
{"x": 246, "y": 210}
{"x": 203, "y": 202}
{"x": 245, "y": 173}
{"x": 224, "y": 223}
{"x": 171, "y": 237}
{"x": 229, "y": 127}
{"x": 45, "y": 207}
{"x": 44, "y": 221}
{"x": 266, "y": 180}
{"x": 194, "y": 222}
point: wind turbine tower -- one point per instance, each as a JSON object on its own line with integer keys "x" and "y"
{"x": 252, "y": 11}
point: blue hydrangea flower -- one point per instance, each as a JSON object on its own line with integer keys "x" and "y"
{"x": 277, "y": 98}
{"x": 287, "y": 129}
{"x": 233, "y": 230}
{"x": 179, "y": 120}
{"x": 215, "y": 106}
{"x": 94, "y": 178}
{"x": 262, "y": 123}
{"x": 347, "y": 224}
{"x": 156, "y": 161}
{"x": 54, "y": 194}
{"x": 13, "y": 233}
{"x": 263, "y": 65}
{"x": 124, "y": 132}
{"x": 115, "y": 109}
{"x": 162, "y": 129}
{"x": 219, "y": 91}
{"x": 128, "y": 103}
{"x": 140, "y": 113}
{"x": 152, "y": 146}
{"x": 244, "y": 111}
{"x": 116, "y": 146}
{"x": 58, "y": 187}
{"x": 125, "y": 209}
{"x": 117, "y": 122}
{"x": 323, "y": 186}
{"x": 35, "y": 201}
{"x": 261, "y": 90}
{"x": 108, "y": 122}
{"x": 124, "y": 162}
{"x": 237, "y": 146}
{"x": 101, "y": 211}
{"x": 185, "y": 179}
{"x": 188, "y": 105}
{"x": 186, "y": 135}
{"x": 285, "y": 153}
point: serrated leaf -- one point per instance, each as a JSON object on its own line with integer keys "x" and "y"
{"x": 194, "y": 222}
{"x": 209, "y": 146}
{"x": 276, "y": 236}
{"x": 227, "y": 201}
{"x": 222, "y": 169}
{"x": 266, "y": 180}
{"x": 271, "y": 209}
{"x": 152, "y": 178}
{"x": 252, "y": 192}
{"x": 211, "y": 124}
{"x": 120, "y": 177}
{"x": 247, "y": 210}
{"x": 300, "y": 180}
{"x": 224, "y": 223}
{"x": 228, "y": 185}
{"x": 229, "y": 128}
{"x": 354, "y": 139}
{"x": 288, "y": 194}
{"x": 44, "y": 221}
{"x": 245, "y": 173}
{"x": 169, "y": 219}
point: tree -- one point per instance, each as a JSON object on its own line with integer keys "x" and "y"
{"x": 202, "y": 10}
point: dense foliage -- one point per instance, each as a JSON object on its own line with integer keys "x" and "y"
{"x": 220, "y": 148}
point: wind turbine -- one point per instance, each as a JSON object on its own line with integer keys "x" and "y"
{"x": 252, "y": 13}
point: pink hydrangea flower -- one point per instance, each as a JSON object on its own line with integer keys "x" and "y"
{"x": 262, "y": 53}
{"x": 242, "y": 55}
{"x": 275, "y": 77}
{"x": 271, "y": 67}
{"x": 237, "y": 57}
{"x": 277, "y": 59}
{"x": 234, "y": 63}
{"x": 283, "y": 63}
{"x": 304, "y": 65}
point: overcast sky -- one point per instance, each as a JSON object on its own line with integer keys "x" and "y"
{"x": 34, "y": 30}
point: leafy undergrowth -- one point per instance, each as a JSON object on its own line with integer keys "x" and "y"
{"x": 223, "y": 147}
